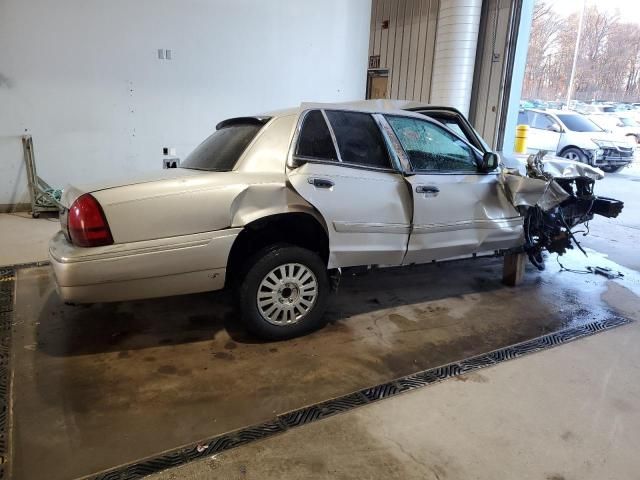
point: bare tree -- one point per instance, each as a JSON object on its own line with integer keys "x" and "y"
{"x": 608, "y": 65}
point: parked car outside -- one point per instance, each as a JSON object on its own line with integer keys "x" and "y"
{"x": 575, "y": 137}
{"x": 619, "y": 123}
{"x": 274, "y": 206}
{"x": 589, "y": 109}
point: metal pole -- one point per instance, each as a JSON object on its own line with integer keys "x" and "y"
{"x": 575, "y": 54}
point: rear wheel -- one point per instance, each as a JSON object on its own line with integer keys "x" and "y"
{"x": 284, "y": 292}
{"x": 575, "y": 154}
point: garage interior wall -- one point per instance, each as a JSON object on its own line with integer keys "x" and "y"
{"x": 428, "y": 47}
{"x": 403, "y": 34}
{"x": 84, "y": 77}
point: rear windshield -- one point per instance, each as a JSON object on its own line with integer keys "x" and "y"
{"x": 578, "y": 123}
{"x": 223, "y": 148}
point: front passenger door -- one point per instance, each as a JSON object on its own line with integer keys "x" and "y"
{"x": 457, "y": 210}
{"x": 544, "y": 133}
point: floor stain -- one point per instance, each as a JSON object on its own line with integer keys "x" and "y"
{"x": 223, "y": 355}
{"x": 568, "y": 435}
{"x": 167, "y": 370}
{"x": 473, "y": 377}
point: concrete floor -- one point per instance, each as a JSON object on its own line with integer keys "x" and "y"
{"x": 24, "y": 239}
{"x": 99, "y": 386}
{"x": 563, "y": 414}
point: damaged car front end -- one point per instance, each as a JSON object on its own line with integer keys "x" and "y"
{"x": 554, "y": 197}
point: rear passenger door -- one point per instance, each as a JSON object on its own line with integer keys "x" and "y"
{"x": 340, "y": 163}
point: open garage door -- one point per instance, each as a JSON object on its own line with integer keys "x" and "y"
{"x": 495, "y": 55}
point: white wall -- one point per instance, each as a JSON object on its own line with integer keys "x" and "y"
{"x": 83, "y": 76}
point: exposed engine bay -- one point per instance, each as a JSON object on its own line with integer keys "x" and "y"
{"x": 555, "y": 197}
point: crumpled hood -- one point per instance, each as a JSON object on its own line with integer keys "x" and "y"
{"x": 522, "y": 190}
{"x": 556, "y": 166}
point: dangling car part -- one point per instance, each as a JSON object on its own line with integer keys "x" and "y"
{"x": 566, "y": 202}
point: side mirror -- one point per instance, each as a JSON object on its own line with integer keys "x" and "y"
{"x": 554, "y": 128}
{"x": 489, "y": 162}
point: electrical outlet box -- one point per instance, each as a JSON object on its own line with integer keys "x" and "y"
{"x": 170, "y": 162}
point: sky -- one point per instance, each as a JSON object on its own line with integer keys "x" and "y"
{"x": 629, "y": 10}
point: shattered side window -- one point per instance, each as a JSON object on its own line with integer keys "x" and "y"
{"x": 430, "y": 147}
{"x": 315, "y": 140}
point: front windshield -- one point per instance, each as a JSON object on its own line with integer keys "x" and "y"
{"x": 222, "y": 149}
{"x": 578, "y": 123}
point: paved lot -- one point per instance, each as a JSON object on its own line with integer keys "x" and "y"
{"x": 618, "y": 237}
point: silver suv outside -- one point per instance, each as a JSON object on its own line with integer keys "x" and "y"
{"x": 575, "y": 137}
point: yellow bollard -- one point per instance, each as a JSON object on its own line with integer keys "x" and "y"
{"x": 521, "y": 138}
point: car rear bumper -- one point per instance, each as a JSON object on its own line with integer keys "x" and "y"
{"x": 153, "y": 268}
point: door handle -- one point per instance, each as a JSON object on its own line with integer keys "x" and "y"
{"x": 321, "y": 182}
{"x": 428, "y": 190}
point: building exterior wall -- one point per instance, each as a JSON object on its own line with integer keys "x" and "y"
{"x": 83, "y": 77}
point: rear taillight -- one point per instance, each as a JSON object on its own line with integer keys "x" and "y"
{"x": 87, "y": 224}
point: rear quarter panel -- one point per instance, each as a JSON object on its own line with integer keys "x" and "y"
{"x": 196, "y": 204}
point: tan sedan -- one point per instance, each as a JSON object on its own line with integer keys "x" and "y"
{"x": 275, "y": 205}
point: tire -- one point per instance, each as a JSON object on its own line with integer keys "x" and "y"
{"x": 294, "y": 287}
{"x": 575, "y": 154}
{"x": 611, "y": 168}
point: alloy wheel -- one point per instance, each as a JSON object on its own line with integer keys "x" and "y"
{"x": 287, "y": 294}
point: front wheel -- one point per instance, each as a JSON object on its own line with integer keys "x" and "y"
{"x": 612, "y": 168}
{"x": 284, "y": 293}
{"x": 575, "y": 154}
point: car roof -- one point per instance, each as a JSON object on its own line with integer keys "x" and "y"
{"x": 553, "y": 111}
{"x": 374, "y": 105}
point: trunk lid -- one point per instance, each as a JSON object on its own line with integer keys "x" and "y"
{"x": 71, "y": 192}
